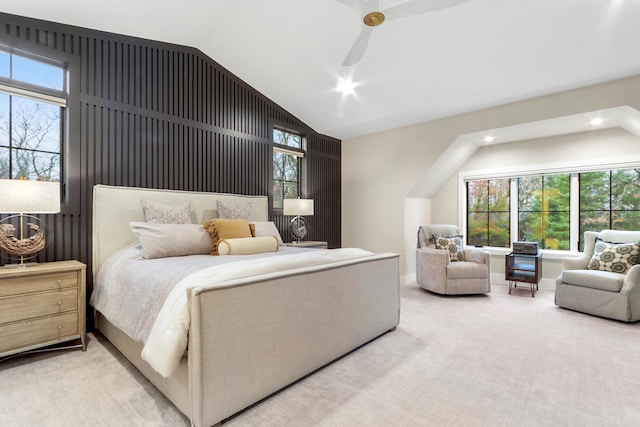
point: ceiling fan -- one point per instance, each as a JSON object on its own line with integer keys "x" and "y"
{"x": 372, "y": 17}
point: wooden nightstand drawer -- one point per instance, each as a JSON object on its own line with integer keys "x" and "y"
{"x": 41, "y": 305}
{"x": 39, "y": 332}
{"x": 28, "y": 306}
{"x": 37, "y": 283}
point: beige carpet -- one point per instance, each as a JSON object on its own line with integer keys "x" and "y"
{"x": 497, "y": 360}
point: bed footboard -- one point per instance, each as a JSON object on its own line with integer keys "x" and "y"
{"x": 264, "y": 335}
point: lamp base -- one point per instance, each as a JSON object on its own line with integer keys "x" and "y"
{"x": 19, "y": 247}
{"x": 298, "y": 228}
{"x": 22, "y": 265}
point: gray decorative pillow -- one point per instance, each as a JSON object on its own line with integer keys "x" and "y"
{"x": 615, "y": 257}
{"x": 227, "y": 211}
{"x": 159, "y": 213}
{"x": 167, "y": 240}
{"x": 453, "y": 245}
{"x": 267, "y": 229}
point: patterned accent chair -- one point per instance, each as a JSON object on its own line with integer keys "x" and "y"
{"x": 445, "y": 266}
{"x": 605, "y": 280}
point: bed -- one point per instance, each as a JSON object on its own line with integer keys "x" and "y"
{"x": 250, "y": 336}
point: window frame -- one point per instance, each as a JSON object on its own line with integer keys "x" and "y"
{"x": 18, "y": 88}
{"x": 488, "y": 210}
{"x": 300, "y": 153}
{"x": 545, "y": 210}
{"x": 572, "y": 168}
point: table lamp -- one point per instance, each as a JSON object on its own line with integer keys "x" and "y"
{"x": 20, "y": 197}
{"x": 299, "y": 208}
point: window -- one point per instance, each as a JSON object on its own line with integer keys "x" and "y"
{"x": 287, "y": 155}
{"x": 32, "y": 107}
{"x": 488, "y": 212}
{"x": 552, "y": 209}
{"x": 543, "y": 210}
{"x": 609, "y": 200}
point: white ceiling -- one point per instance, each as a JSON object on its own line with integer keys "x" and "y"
{"x": 478, "y": 54}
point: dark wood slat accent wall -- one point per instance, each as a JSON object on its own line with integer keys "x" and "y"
{"x": 149, "y": 114}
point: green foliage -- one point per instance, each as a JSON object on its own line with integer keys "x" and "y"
{"x": 609, "y": 200}
{"x": 488, "y": 212}
{"x": 544, "y": 210}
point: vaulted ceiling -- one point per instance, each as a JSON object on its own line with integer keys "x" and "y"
{"x": 476, "y": 54}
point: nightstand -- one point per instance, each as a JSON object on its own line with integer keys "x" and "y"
{"x": 308, "y": 244}
{"x": 42, "y": 305}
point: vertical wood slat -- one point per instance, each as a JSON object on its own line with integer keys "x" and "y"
{"x": 166, "y": 116}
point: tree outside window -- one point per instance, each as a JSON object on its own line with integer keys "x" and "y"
{"x": 287, "y": 153}
{"x": 544, "y": 209}
{"x": 488, "y": 212}
{"x": 609, "y": 200}
{"x": 32, "y": 103}
{"x": 29, "y": 139}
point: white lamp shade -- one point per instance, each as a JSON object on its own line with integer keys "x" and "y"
{"x": 21, "y": 196}
{"x": 303, "y": 207}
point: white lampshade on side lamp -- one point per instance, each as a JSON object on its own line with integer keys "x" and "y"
{"x": 300, "y": 208}
{"x": 25, "y": 197}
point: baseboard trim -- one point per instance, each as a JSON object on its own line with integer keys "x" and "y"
{"x": 496, "y": 278}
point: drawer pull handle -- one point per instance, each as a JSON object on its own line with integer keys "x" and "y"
{"x": 59, "y": 302}
{"x": 59, "y": 327}
{"x": 59, "y": 281}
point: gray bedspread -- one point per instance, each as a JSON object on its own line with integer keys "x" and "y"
{"x": 130, "y": 291}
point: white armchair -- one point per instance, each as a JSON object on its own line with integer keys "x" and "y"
{"x": 436, "y": 272}
{"x": 601, "y": 293}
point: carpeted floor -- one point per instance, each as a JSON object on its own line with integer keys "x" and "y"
{"x": 495, "y": 360}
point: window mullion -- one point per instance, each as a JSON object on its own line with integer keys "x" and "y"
{"x": 289, "y": 151}
{"x": 574, "y": 212}
{"x": 513, "y": 208}
{"x": 36, "y": 96}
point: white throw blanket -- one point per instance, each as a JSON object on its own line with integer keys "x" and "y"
{"x": 168, "y": 339}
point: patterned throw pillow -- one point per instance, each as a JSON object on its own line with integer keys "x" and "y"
{"x": 615, "y": 257}
{"x": 451, "y": 244}
{"x": 159, "y": 213}
{"x": 228, "y": 211}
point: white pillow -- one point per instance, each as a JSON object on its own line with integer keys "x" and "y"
{"x": 247, "y": 245}
{"x": 267, "y": 229}
{"x": 167, "y": 240}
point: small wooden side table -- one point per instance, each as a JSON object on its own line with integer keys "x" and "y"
{"x": 42, "y": 305}
{"x": 522, "y": 268}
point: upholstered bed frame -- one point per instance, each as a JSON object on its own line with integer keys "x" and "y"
{"x": 251, "y": 337}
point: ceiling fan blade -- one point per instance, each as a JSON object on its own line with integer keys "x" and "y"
{"x": 358, "y": 48}
{"x": 362, "y": 7}
{"x": 416, "y": 7}
{"x": 353, "y": 4}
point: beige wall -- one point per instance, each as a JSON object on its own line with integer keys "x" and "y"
{"x": 381, "y": 171}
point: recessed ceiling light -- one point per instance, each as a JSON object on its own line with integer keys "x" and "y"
{"x": 596, "y": 121}
{"x": 489, "y": 138}
{"x": 346, "y": 86}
